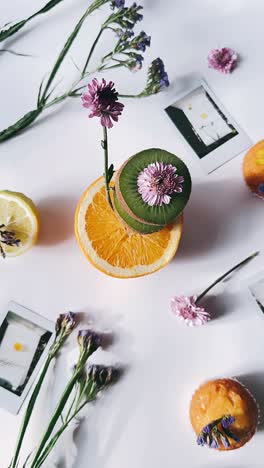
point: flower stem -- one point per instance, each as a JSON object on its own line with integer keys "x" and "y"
{"x": 105, "y": 148}
{"x": 28, "y": 412}
{"x": 55, "y": 417}
{"x": 91, "y": 51}
{"x": 239, "y": 265}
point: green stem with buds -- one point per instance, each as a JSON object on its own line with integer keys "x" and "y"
{"x": 56, "y": 416}
{"x": 221, "y": 278}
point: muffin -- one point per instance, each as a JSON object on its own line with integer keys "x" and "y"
{"x": 224, "y": 415}
{"x": 253, "y": 169}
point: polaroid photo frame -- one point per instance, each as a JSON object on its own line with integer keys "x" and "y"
{"x": 256, "y": 288}
{"x": 204, "y": 123}
{"x": 25, "y": 340}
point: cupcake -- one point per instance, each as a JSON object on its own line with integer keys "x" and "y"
{"x": 253, "y": 169}
{"x": 224, "y": 415}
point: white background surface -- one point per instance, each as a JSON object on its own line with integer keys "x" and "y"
{"x": 142, "y": 422}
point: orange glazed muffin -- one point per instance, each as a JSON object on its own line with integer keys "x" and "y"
{"x": 224, "y": 415}
{"x": 253, "y": 169}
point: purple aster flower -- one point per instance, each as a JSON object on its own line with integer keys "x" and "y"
{"x": 186, "y": 309}
{"x": 223, "y": 60}
{"x": 89, "y": 341}
{"x": 227, "y": 421}
{"x": 102, "y": 99}
{"x": 158, "y": 182}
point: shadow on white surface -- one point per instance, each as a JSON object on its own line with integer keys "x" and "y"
{"x": 217, "y": 212}
{"x": 56, "y": 219}
{"x": 255, "y": 384}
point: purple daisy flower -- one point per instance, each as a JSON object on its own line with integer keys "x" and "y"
{"x": 186, "y": 309}
{"x": 157, "y": 182}
{"x": 224, "y": 60}
{"x": 102, "y": 100}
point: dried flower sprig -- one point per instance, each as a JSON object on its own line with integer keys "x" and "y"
{"x": 186, "y": 308}
{"x": 8, "y": 30}
{"x": 156, "y": 82}
{"x": 121, "y": 21}
{"x": 218, "y": 433}
{"x": 64, "y": 326}
{"x": 87, "y": 388}
{"x": 88, "y": 385}
{"x": 7, "y": 238}
{"x": 102, "y": 100}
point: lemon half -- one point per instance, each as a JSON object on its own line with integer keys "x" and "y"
{"x": 19, "y": 214}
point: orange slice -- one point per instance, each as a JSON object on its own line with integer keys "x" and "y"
{"x": 115, "y": 249}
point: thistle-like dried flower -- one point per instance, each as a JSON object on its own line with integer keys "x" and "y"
{"x": 141, "y": 42}
{"x": 102, "y": 375}
{"x": 224, "y": 60}
{"x": 7, "y": 238}
{"x": 65, "y": 323}
{"x": 102, "y": 100}
{"x": 186, "y": 309}
{"x": 158, "y": 182}
{"x": 89, "y": 341}
{"x": 217, "y": 433}
{"x": 157, "y": 78}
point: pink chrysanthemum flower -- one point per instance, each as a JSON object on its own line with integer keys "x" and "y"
{"x": 157, "y": 182}
{"x": 185, "y": 309}
{"x": 223, "y": 60}
{"x": 102, "y": 99}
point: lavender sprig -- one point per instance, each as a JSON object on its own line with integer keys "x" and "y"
{"x": 7, "y": 238}
{"x": 217, "y": 432}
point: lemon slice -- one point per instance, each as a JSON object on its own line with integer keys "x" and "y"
{"x": 19, "y": 214}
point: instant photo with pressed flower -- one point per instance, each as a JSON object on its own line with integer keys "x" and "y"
{"x": 207, "y": 127}
{"x": 25, "y": 338}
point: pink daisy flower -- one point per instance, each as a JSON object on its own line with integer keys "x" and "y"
{"x": 185, "y": 309}
{"x": 224, "y": 60}
{"x": 102, "y": 100}
{"x": 158, "y": 182}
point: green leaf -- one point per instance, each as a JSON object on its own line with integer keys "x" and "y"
{"x": 20, "y": 125}
{"x": 110, "y": 173}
